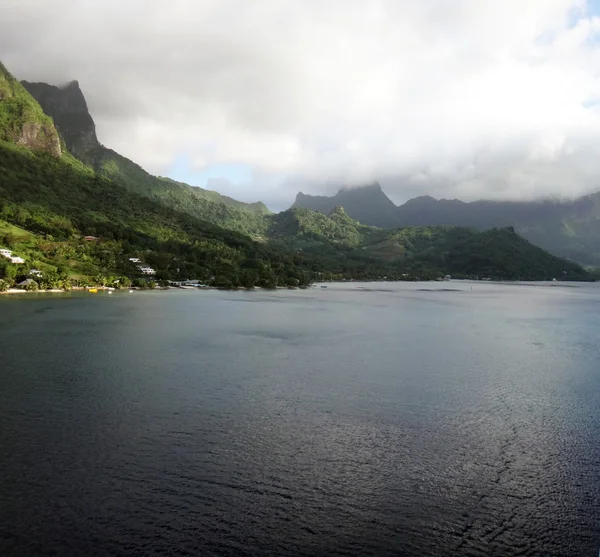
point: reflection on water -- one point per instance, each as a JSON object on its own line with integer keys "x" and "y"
{"x": 364, "y": 419}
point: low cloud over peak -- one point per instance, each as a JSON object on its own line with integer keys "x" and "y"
{"x": 468, "y": 99}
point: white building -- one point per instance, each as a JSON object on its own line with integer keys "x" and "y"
{"x": 35, "y": 273}
{"x": 6, "y": 253}
{"x": 134, "y": 259}
{"x": 17, "y": 260}
{"x": 146, "y": 270}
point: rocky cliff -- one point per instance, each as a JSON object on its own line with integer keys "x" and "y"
{"x": 69, "y": 109}
{"x": 22, "y": 120}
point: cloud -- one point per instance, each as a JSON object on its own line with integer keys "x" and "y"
{"x": 470, "y": 99}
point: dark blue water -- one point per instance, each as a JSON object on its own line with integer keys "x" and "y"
{"x": 385, "y": 420}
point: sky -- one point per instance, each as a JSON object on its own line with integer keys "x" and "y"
{"x": 463, "y": 99}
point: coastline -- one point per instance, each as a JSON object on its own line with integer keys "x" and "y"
{"x": 564, "y": 284}
{"x": 20, "y": 291}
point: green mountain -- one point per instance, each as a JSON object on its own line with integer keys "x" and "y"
{"x": 22, "y": 121}
{"x": 427, "y": 252}
{"x": 68, "y": 107}
{"x": 74, "y": 222}
{"x": 49, "y": 200}
{"x": 569, "y": 229}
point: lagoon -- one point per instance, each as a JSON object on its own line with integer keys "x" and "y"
{"x": 449, "y": 418}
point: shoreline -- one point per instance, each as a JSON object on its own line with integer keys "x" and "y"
{"x": 138, "y": 289}
{"x": 79, "y": 289}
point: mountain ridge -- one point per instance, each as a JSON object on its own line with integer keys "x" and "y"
{"x": 68, "y": 107}
{"x": 568, "y": 229}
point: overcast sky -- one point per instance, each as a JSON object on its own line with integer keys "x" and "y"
{"x": 453, "y": 98}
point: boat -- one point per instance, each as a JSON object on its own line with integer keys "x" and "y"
{"x": 93, "y": 290}
{"x": 131, "y": 291}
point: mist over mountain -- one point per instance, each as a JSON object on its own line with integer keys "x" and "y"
{"x": 368, "y": 205}
{"x": 565, "y": 228}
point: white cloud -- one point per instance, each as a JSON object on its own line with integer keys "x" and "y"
{"x": 470, "y": 98}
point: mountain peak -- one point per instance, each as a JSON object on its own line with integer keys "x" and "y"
{"x": 68, "y": 108}
{"x": 367, "y": 204}
{"x": 422, "y": 200}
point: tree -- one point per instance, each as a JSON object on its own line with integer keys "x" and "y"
{"x": 31, "y": 286}
{"x": 248, "y": 278}
{"x": 222, "y": 282}
{"x": 8, "y": 271}
{"x": 100, "y": 280}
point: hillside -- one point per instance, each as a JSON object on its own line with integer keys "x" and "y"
{"x": 68, "y": 107}
{"x": 569, "y": 229}
{"x": 427, "y": 252}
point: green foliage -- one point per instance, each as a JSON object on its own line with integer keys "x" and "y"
{"x": 31, "y": 286}
{"x": 247, "y": 218}
{"x": 21, "y": 117}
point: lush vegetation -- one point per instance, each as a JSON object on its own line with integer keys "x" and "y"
{"x": 60, "y": 200}
{"x": 569, "y": 229}
{"x": 21, "y": 118}
{"x": 197, "y": 202}
{"x": 424, "y": 251}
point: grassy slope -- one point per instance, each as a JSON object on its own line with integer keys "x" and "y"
{"x": 216, "y": 197}
{"x": 209, "y": 206}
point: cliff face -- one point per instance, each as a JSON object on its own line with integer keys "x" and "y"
{"x": 22, "y": 121}
{"x": 69, "y": 110}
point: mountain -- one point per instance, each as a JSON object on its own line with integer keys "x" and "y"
{"x": 367, "y": 204}
{"x": 49, "y": 200}
{"x": 425, "y": 252}
{"x": 22, "y": 121}
{"x": 569, "y": 229}
{"x": 73, "y": 223}
{"x": 68, "y": 107}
